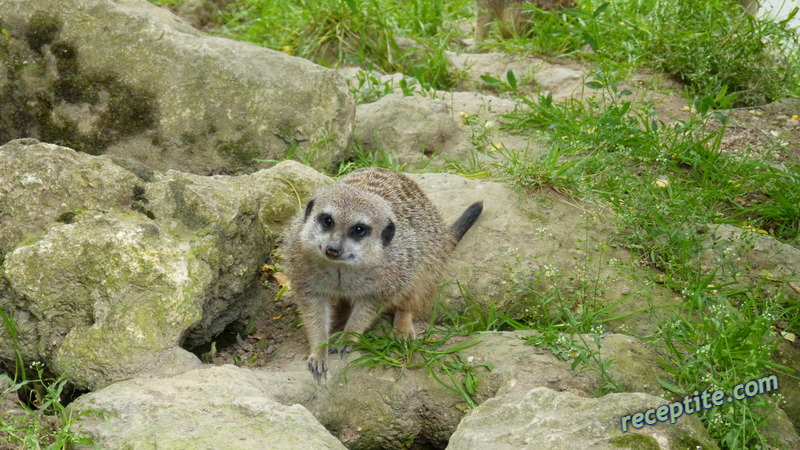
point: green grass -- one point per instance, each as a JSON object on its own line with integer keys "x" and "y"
{"x": 707, "y": 44}
{"x": 719, "y": 349}
{"x": 665, "y": 183}
{"x": 363, "y": 158}
{"x": 430, "y": 352}
{"x": 43, "y": 421}
{"x": 408, "y": 37}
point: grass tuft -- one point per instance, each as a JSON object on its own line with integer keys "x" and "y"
{"x": 43, "y": 419}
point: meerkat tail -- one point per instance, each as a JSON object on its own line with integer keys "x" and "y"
{"x": 463, "y": 224}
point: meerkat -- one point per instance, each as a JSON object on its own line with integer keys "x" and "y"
{"x": 510, "y": 17}
{"x": 369, "y": 243}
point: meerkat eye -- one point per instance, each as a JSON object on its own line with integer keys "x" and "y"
{"x": 358, "y": 231}
{"x": 326, "y": 221}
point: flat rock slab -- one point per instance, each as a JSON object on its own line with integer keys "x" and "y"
{"x": 220, "y": 407}
{"x": 546, "y": 419}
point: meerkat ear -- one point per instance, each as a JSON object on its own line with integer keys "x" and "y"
{"x": 309, "y": 207}
{"x": 387, "y": 234}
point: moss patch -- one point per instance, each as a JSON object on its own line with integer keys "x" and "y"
{"x": 67, "y": 217}
{"x": 185, "y": 213}
{"x": 66, "y": 104}
{"x": 141, "y": 171}
{"x": 138, "y": 202}
{"x": 42, "y": 29}
{"x": 637, "y": 441}
{"x": 241, "y": 150}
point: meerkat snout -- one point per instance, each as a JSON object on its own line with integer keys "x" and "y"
{"x": 374, "y": 241}
{"x": 333, "y": 251}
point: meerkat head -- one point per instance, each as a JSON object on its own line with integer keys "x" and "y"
{"x": 347, "y": 225}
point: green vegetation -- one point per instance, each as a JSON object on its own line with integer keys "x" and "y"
{"x": 43, "y": 421}
{"x": 431, "y": 352}
{"x": 710, "y": 45}
{"x": 666, "y": 182}
{"x": 563, "y": 315}
{"x": 724, "y": 347}
{"x": 362, "y": 158}
{"x": 408, "y": 37}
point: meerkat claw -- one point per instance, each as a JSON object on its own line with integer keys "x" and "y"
{"x": 342, "y": 350}
{"x": 318, "y": 369}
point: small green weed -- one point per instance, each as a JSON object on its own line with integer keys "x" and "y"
{"x": 510, "y": 85}
{"x": 364, "y": 158}
{"x": 369, "y": 88}
{"x": 720, "y": 349}
{"x": 473, "y": 319}
{"x": 45, "y": 421}
{"x": 48, "y": 422}
{"x": 383, "y": 349}
{"x": 564, "y": 315}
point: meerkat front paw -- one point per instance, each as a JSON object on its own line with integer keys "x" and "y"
{"x": 318, "y": 367}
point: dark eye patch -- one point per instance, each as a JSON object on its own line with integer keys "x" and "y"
{"x": 326, "y": 221}
{"x": 359, "y": 231}
{"x": 387, "y": 234}
{"x": 309, "y": 207}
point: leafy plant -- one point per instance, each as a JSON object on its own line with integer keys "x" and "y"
{"x": 369, "y": 88}
{"x": 497, "y": 83}
{"x": 46, "y": 420}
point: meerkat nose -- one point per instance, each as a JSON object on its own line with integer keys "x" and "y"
{"x": 333, "y": 251}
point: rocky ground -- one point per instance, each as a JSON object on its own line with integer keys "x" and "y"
{"x": 116, "y": 266}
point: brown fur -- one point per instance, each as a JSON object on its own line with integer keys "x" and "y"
{"x": 510, "y": 17}
{"x": 395, "y": 268}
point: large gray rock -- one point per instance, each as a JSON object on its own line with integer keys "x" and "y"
{"x": 545, "y": 419}
{"x": 107, "y": 270}
{"x": 128, "y": 78}
{"x": 41, "y": 182}
{"x": 412, "y": 129}
{"x": 110, "y": 295}
{"x": 221, "y": 407}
